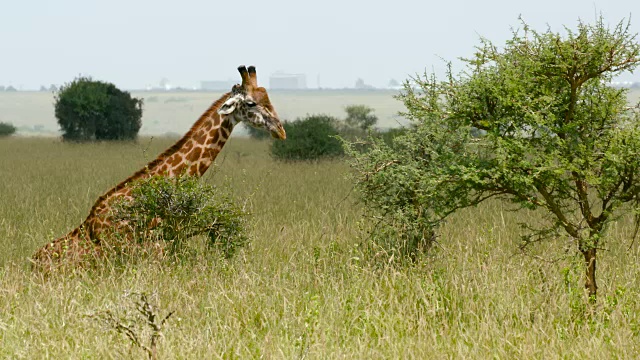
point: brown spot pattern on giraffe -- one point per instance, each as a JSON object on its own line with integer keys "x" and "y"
{"x": 194, "y": 155}
{"x": 211, "y": 153}
{"x": 175, "y": 160}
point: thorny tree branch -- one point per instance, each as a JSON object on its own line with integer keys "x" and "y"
{"x": 149, "y": 313}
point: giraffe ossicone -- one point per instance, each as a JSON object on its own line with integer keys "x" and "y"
{"x": 193, "y": 154}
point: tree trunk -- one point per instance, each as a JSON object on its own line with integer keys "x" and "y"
{"x": 590, "y": 281}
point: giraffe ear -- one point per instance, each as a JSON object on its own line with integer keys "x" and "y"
{"x": 228, "y": 106}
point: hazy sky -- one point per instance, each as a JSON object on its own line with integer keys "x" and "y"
{"x": 134, "y": 43}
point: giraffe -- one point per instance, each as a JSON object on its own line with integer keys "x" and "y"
{"x": 193, "y": 154}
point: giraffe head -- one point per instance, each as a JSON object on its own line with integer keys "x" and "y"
{"x": 250, "y": 103}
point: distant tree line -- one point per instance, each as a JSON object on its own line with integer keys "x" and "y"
{"x": 11, "y": 88}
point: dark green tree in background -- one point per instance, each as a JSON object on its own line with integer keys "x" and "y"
{"x": 90, "y": 110}
{"x": 558, "y": 138}
{"x": 311, "y": 138}
{"x": 7, "y": 129}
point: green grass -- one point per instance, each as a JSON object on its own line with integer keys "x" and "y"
{"x": 301, "y": 289}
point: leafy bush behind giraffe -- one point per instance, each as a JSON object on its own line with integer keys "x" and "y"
{"x": 173, "y": 210}
{"x": 6, "y": 129}
{"x": 558, "y": 138}
{"x": 311, "y": 138}
{"x": 316, "y": 136}
{"x": 359, "y": 119}
{"x": 90, "y": 110}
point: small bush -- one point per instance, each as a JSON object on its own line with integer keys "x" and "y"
{"x": 172, "y": 210}
{"x": 359, "y": 122}
{"x": 6, "y": 129}
{"x": 360, "y": 116}
{"x": 390, "y": 187}
{"x": 94, "y": 110}
{"x": 310, "y": 138}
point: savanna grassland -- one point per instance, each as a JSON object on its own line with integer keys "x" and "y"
{"x": 302, "y": 289}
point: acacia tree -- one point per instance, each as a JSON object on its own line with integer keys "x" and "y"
{"x": 558, "y": 138}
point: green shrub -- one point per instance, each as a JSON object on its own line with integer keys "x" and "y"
{"x": 6, "y": 129}
{"x": 360, "y": 116}
{"x": 310, "y": 138}
{"x": 389, "y": 177}
{"x": 172, "y": 210}
{"x": 358, "y": 123}
{"x": 94, "y": 110}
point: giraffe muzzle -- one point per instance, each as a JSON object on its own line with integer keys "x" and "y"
{"x": 279, "y": 133}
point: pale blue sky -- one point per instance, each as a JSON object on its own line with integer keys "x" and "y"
{"x": 134, "y": 43}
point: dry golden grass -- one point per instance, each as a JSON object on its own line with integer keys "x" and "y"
{"x": 302, "y": 288}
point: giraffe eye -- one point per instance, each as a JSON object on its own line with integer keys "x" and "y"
{"x": 251, "y": 104}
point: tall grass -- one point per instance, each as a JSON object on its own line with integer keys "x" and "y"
{"x": 302, "y": 288}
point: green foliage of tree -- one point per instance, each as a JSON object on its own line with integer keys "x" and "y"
{"x": 88, "y": 110}
{"x": 310, "y": 138}
{"x": 558, "y": 138}
{"x": 7, "y": 129}
{"x": 389, "y": 135}
{"x": 360, "y": 116}
{"x": 176, "y": 209}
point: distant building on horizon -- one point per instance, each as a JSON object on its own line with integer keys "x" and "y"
{"x": 283, "y": 81}
{"x": 361, "y": 85}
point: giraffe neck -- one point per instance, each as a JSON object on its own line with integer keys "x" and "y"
{"x": 196, "y": 151}
{"x": 192, "y": 154}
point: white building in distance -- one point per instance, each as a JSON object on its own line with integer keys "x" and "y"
{"x": 217, "y": 85}
{"x": 283, "y": 81}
